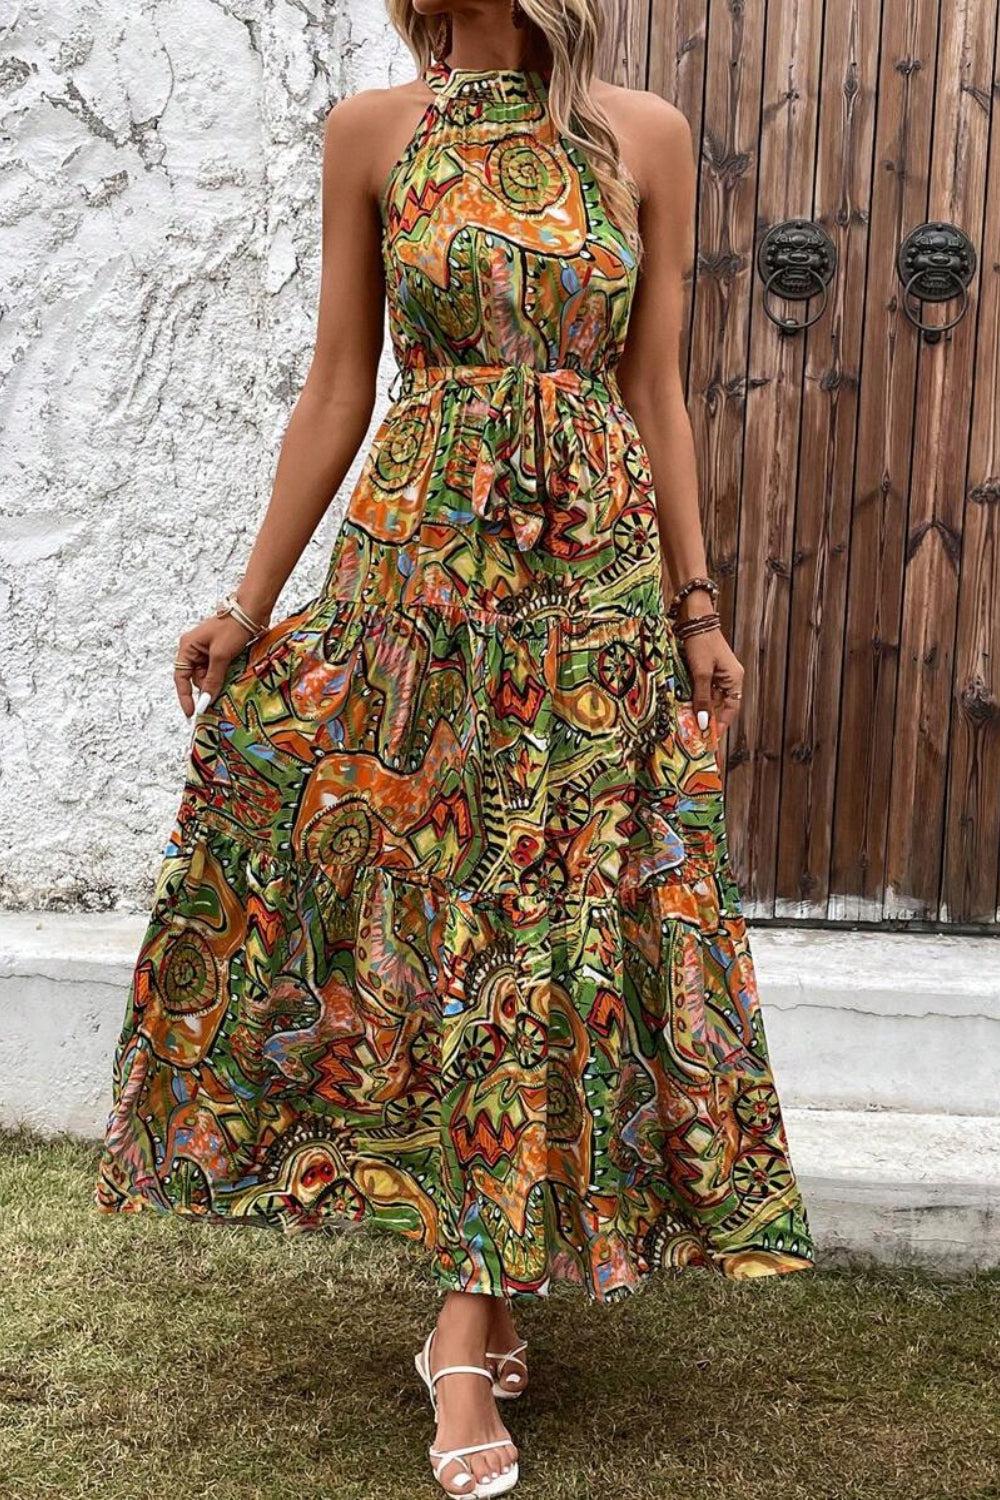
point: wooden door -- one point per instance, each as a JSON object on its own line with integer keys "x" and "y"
{"x": 850, "y": 475}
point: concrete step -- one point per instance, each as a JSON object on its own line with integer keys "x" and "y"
{"x": 883, "y": 1187}
{"x": 886, "y": 1050}
{"x": 906, "y": 1021}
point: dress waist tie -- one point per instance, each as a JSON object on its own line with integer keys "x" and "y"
{"x": 533, "y": 442}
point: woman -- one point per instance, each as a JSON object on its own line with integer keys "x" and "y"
{"x": 445, "y": 936}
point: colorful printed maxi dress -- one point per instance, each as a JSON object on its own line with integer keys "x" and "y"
{"x": 445, "y": 936}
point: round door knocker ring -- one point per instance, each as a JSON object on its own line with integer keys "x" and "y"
{"x": 796, "y": 261}
{"x": 789, "y": 326}
{"x": 933, "y": 332}
{"x": 936, "y": 263}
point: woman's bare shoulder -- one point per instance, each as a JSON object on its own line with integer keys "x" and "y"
{"x": 365, "y": 131}
{"x": 651, "y": 111}
{"x": 655, "y": 136}
{"x": 352, "y": 117}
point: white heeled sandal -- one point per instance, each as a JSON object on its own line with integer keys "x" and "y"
{"x": 481, "y": 1489}
{"x": 511, "y": 1357}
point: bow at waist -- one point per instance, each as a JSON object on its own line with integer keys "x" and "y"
{"x": 537, "y": 440}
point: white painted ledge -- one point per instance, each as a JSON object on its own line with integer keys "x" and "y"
{"x": 903, "y": 1021}
{"x": 886, "y": 1048}
{"x": 889, "y": 1188}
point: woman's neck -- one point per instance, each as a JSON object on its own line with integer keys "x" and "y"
{"x": 502, "y": 46}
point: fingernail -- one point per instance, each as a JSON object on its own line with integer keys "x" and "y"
{"x": 702, "y": 719}
{"x": 204, "y": 699}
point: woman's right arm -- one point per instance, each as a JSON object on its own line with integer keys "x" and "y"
{"x": 334, "y": 407}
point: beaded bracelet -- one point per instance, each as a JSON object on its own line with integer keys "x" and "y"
{"x": 707, "y": 585}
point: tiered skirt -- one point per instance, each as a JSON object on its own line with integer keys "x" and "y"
{"x": 446, "y": 937}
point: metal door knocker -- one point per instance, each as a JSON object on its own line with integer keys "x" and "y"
{"x": 936, "y": 263}
{"x": 796, "y": 260}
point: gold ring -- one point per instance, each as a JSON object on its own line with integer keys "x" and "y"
{"x": 183, "y": 666}
{"x": 732, "y": 695}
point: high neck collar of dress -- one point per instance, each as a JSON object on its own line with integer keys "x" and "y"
{"x": 507, "y": 85}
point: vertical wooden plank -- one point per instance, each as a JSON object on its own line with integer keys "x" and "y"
{"x": 676, "y": 67}
{"x": 937, "y": 490}
{"x": 878, "y": 523}
{"x": 719, "y": 349}
{"x": 972, "y": 832}
{"x": 826, "y": 467}
{"x": 676, "y": 72}
{"x": 621, "y": 58}
{"x": 787, "y": 150}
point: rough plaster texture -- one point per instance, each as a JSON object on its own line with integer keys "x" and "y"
{"x": 159, "y": 259}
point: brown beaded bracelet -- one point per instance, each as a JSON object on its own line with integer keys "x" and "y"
{"x": 693, "y": 585}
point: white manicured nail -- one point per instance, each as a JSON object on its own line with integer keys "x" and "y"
{"x": 204, "y": 699}
{"x": 702, "y": 719}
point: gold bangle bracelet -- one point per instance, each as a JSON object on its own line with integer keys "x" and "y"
{"x": 230, "y": 605}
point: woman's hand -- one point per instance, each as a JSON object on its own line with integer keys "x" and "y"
{"x": 716, "y": 677}
{"x": 716, "y": 674}
{"x": 206, "y": 652}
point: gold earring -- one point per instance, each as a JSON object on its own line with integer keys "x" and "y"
{"x": 441, "y": 45}
{"x": 517, "y": 15}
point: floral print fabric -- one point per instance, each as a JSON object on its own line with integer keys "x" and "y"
{"x": 446, "y": 937}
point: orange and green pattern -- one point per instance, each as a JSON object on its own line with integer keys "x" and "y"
{"x": 446, "y": 936}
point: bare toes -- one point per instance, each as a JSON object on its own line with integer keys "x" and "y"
{"x": 489, "y": 1465}
{"x": 503, "y": 1458}
{"x": 457, "y": 1480}
{"x": 481, "y": 1466}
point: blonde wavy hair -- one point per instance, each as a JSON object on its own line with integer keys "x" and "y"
{"x": 573, "y": 30}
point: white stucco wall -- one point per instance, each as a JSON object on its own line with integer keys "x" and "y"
{"x": 159, "y": 259}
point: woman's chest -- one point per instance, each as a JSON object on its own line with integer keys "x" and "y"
{"x": 508, "y": 231}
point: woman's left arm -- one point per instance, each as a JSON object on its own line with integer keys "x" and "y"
{"x": 657, "y": 143}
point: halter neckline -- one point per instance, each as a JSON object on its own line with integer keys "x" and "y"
{"x": 507, "y": 84}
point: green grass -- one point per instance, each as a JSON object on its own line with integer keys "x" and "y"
{"x": 153, "y": 1358}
